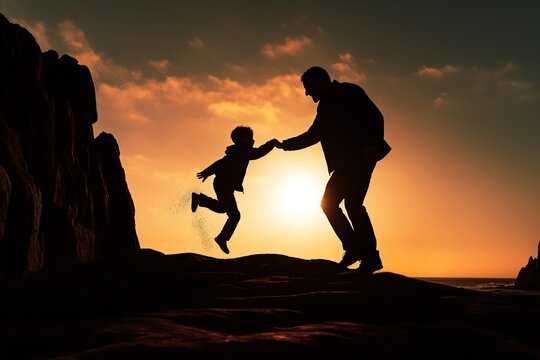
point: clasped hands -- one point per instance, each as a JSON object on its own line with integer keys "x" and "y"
{"x": 276, "y": 143}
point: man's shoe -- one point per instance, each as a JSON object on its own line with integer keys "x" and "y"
{"x": 349, "y": 258}
{"x": 371, "y": 264}
{"x": 222, "y": 245}
{"x": 194, "y": 202}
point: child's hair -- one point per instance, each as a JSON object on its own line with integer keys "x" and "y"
{"x": 239, "y": 132}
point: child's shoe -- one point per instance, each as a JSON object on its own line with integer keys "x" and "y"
{"x": 194, "y": 202}
{"x": 222, "y": 245}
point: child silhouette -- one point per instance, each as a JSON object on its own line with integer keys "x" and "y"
{"x": 230, "y": 172}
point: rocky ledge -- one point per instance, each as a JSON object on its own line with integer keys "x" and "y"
{"x": 146, "y": 305}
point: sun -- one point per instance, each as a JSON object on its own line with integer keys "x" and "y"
{"x": 299, "y": 197}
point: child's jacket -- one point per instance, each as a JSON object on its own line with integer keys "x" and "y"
{"x": 231, "y": 169}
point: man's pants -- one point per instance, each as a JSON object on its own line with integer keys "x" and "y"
{"x": 350, "y": 185}
{"x": 225, "y": 203}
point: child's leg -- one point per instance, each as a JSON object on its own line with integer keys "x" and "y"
{"x": 225, "y": 195}
{"x": 212, "y": 204}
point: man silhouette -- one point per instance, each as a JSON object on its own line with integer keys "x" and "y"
{"x": 350, "y": 129}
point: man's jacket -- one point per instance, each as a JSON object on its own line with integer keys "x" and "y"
{"x": 347, "y": 123}
{"x": 232, "y": 168}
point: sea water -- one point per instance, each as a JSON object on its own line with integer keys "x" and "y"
{"x": 497, "y": 285}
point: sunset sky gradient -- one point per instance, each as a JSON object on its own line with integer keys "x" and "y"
{"x": 458, "y": 83}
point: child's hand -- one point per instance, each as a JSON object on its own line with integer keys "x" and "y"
{"x": 202, "y": 175}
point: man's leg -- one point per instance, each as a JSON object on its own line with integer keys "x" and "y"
{"x": 333, "y": 195}
{"x": 364, "y": 235}
{"x": 357, "y": 187}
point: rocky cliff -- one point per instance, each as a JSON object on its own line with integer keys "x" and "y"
{"x": 63, "y": 193}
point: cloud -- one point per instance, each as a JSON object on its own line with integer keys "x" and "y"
{"x": 515, "y": 84}
{"x": 159, "y": 65}
{"x": 137, "y": 118}
{"x": 73, "y": 41}
{"x": 501, "y": 80}
{"x": 143, "y": 167}
{"x": 522, "y": 90}
{"x": 290, "y": 47}
{"x": 507, "y": 68}
{"x": 346, "y": 57}
{"x": 489, "y": 77}
{"x": 101, "y": 67}
{"x": 437, "y": 73}
{"x": 346, "y": 69}
{"x": 197, "y": 43}
{"x": 441, "y": 100}
{"x": 234, "y": 110}
{"x": 175, "y": 108}
{"x": 505, "y": 79}
{"x": 236, "y": 68}
{"x": 39, "y": 31}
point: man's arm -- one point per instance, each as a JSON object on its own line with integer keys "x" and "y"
{"x": 302, "y": 141}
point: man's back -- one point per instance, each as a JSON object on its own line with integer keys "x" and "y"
{"x": 348, "y": 122}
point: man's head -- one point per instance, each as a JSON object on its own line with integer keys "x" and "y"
{"x": 316, "y": 82}
{"x": 242, "y": 135}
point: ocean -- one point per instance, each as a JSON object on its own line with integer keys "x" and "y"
{"x": 495, "y": 285}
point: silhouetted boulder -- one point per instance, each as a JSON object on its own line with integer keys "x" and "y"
{"x": 117, "y": 214}
{"x": 64, "y": 197}
{"x": 529, "y": 276}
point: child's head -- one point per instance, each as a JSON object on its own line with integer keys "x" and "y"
{"x": 242, "y": 135}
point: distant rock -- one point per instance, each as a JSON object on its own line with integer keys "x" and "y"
{"x": 63, "y": 193}
{"x": 529, "y": 276}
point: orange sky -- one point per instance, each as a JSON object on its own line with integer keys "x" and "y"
{"x": 457, "y": 196}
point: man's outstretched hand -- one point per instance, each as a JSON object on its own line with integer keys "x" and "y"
{"x": 202, "y": 175}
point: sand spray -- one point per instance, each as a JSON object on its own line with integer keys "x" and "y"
{"x": 199, "y": 222}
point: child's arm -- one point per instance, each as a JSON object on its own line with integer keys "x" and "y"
{"x": 257, "y": 153}
{"x": 209, "y": 171}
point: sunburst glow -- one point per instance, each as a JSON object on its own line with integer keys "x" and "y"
{"x": 299, "y": 197}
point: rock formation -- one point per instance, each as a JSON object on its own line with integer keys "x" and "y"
{"x": 529, "y": 276}
{"x": 63, "y": 193}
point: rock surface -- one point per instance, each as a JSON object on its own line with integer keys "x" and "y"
{"x": 63, "y": 194}
{"x": 529, "y": 276}
{"x": 146, "y": 305}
